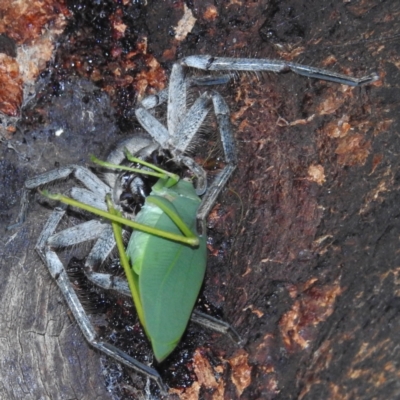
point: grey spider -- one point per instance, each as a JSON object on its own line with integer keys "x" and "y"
{"x": 183, "y": 123}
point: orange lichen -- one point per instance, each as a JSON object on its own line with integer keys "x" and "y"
{"x": 337, "y": 129}
{"x": 377, "y": 159}
{"x": 314, "y": 305}
{"x": 118, "y": 26}
{"x": 241, "y": 371}
{"x": 24, "y": 20}
{"x": 185, "y": 24}
{"x": 353, "y": 150}
{"x": 206, "y": 376}
{"x": 10, "y": 86}
{"x": 335, "y": 99}
{"x": 211, "y": 379}
{"x": 316, "y": 174}
{"x": 211, "y": 13}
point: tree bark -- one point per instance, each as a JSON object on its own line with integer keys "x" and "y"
{"x": 303, "y": 260}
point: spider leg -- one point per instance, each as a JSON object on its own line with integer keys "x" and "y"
{"x": 182, "y": 125}
{"x": 210, "y": 80}
{"x": 198, "y": 171}
{"x": 88, "y": 197}
{"x": 215, "y": 324}
{"x": 223, "y": 119}
{"x": 99, "y": 253}
{"x": 210, "y": 63}
{"x": 57, "y": 271}
{"x": 191, "y": 123}
{"x": 88, "y": 178}
{"x": 176, "y": 105}
{"x": 186, "y": 130}
{"x": 177, "y": 100}
{"x": 152, "y": 126}
{"x": 154, "y": 100}
{"x": 77, "y": 234}
{"x": 157, "y": 132}
{"x": 105, "y": 243}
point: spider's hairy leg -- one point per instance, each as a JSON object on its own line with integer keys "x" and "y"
{"x": 88, "y": 197}
{"x": 209, "y": 63}
{"x": 57, "y": 271}
{"x": 210, "y": 80}
{"x": 154, "y": 127}
{"x": 177, "y": 100}
{"x": 98, "y": 255}
{"x": 198, "y": 171}
{"x": 86, "y": 177}
{"x": 185, "y": 131}
{"x": 182, "y": 124}
{"x": 93, "y": 195}
{"x": 105, "y": 243}
{"x": 77, "y": 234}
{"x": 191, "y": 123}
{"x": 154, "y": 100}
{"x": 223, "y": 119}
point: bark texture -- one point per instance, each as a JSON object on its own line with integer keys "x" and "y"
{"x": 304, "y": 257}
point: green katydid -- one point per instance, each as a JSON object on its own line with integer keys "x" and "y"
{"x": 165, "y": 260}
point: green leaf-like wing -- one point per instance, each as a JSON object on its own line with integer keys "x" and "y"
{"x": 170, "y": 273}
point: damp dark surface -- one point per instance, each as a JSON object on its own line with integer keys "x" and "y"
{"x": 303, "y": 243}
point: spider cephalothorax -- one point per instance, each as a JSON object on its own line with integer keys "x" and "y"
{"x": 132, "y": 188}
